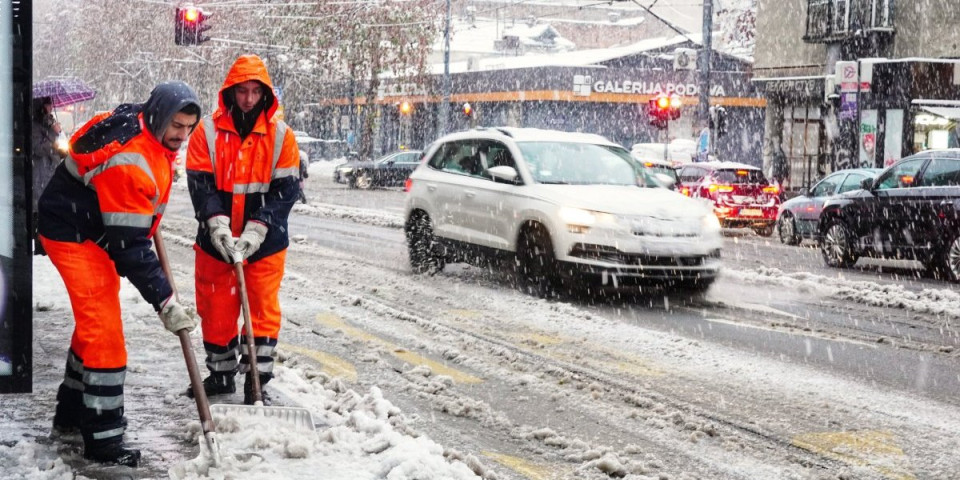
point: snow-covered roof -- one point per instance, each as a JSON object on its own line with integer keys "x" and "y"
{"x": 581, "y": 58}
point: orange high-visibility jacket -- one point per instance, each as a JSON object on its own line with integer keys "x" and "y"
{"x": 251, "y": 179}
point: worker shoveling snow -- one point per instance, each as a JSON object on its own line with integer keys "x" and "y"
{"x": 355, "y": 439}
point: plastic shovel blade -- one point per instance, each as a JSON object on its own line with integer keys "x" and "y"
{"x": 297, "y": 416}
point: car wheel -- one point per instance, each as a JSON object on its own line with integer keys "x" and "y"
{"x": 946, "y": 263}
{"x": 537, "y": 264}
{"x": 363, "y": 180}
{"x": 787, "y": 226}
{"x": 426, "y": 255}
{"x": 837, "y": 246}
{"x": 765, "y": 231}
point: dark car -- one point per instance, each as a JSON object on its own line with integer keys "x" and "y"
{"x": 740, "y": 194}
{"x": 799, "y": 216}
{"x": 390, "y": 170}
{"x": 910, "y": 211}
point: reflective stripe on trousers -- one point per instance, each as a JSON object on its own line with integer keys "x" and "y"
{"x": 218, "y": 304}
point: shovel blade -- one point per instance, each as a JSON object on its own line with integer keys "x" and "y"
{"x": 297, "y": 416}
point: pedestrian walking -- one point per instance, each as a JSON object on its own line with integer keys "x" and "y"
{"x": 45, "y": 155}
{"x": 97, "y": 217}
{"x": 242, "y": 174}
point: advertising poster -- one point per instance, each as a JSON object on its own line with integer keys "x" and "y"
{"x": 868, "y": 138}
{"x": 893, "y": 138}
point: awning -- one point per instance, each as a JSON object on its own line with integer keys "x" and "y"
{"x": 953, "y": 113}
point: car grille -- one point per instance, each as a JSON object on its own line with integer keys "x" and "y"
{"x": 605, "y": 253}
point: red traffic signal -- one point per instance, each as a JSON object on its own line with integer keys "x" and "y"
{"x": 467, "y": 110}
{"x": 663, "y": 108}
{"x": 189, "y": 24}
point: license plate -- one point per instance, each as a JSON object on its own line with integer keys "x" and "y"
{"x": 751, "y": 212}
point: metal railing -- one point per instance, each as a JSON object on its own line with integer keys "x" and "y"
{"x": 836, "y": 20}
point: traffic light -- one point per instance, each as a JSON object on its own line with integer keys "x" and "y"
{"x": 189, "y": 24}
{"x": 467, "y": 110}
{"x": 662, "y": 109}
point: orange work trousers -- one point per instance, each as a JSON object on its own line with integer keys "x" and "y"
{"x": 218, "y": 296}
{"x": 94, "y": 289}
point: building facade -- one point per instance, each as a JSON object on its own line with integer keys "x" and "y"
{"x": 855, "y": 83}
{"x": 604, "y": 92}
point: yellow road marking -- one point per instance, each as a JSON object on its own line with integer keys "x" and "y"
{"x": 872, "y": 449}
{"x": 329, "y": 364}
{"x": 526, "y": 468}
{"x": 330, "y": 320}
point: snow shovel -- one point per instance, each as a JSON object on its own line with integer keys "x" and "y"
{"x": 298, "y": 416}
{"x": 199, "y": 394}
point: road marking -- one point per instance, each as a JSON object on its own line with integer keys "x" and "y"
{"x": 528, "y": 469}
{"x": 329, "y": 364}
{"x": 865, "y": 448}
{"x": 537, "y": 343}
{"x": 333, "y": 321}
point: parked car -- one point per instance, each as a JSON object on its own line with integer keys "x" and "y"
{"x": 799, "y": 217}
{"x": 909, "y": 211}
{"x": 568, "y": 209}
{"x": 740, "y": 195}
{"x": 390, "y": 170}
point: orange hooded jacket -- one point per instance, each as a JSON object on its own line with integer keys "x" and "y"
{"x": 255, "y": 178}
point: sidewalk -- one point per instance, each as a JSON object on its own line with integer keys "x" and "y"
{"x": 359, "y": 434}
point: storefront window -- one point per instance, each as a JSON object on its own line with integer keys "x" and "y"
{"x": 935, "y": 127}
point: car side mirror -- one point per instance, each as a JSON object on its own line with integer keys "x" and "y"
{"x": 665, "y": 180}
{"x": 504, "y": 173}
{"x": 866, "y": 184}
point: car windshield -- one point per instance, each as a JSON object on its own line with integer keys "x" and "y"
{"x": 574, "y": 163}
{"x": 740, "y": 177}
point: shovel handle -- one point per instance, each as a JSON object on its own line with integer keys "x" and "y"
{"x": 248, "y": 326}
{"x": 199, "y": 394}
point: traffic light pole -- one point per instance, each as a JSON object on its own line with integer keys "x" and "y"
{"x": 444, "y": 109}
{"x": 703, "y": 106}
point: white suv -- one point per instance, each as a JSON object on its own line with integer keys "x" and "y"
{"x": 568, "y": 209}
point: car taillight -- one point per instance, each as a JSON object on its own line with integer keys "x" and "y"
{"x": 408, "y": 185}
{"x": 685, "y": 191}
{"x": 772, "y": 189}
{"x": 720, "y": 188}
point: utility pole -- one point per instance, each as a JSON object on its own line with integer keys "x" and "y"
{"x": 444, "y": 110}
{"x": 703, "y": 107}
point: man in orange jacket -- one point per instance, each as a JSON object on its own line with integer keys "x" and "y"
{"x": 96, "y": 218}
{"x": 242, "y": 173}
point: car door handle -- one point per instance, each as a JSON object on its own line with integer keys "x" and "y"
{"x": 432, "y": 187}
{"x": 470, "y": 193}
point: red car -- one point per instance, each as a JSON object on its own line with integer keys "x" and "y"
{"x": 741, "y": 195}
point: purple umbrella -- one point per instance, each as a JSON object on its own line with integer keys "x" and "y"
{"x": 63, "y": 90}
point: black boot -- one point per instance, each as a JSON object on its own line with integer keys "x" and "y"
{"x": 113, "y": 453}
{"x": 248, "y": 389}
{"x": 217, "y": 384}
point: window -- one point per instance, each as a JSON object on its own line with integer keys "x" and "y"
{"x": 941, "y": 172}
{"x": 691, "y": 174}
{"x": 901, "y": 175}
{"x": 580, "y": 163}
{"x": 740, "y": 176}
{"x": 827, "y": 186}
{"x": 852, "y": 182}
{"x": 413, "y": 157}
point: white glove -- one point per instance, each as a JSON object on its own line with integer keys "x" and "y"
{"x": 221, "y": 236}
{"x": 250, "y": 240}
{"x": 175, "y": 317}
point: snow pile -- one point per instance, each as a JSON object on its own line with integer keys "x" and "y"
{"x": 357, "y": 215}
{"x": 940, "y": 302}
{"x": 31, "y": 461}
{"x": 359, "y": 440}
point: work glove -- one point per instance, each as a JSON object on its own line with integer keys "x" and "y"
{"x": 175, "y": 317}
{"x": 250, "y": 240}
{"x": 221, "y": 236}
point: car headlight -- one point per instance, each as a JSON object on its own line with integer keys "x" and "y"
{"x": 710, "y": 223}
{"x": 346, "y": 170}
{"x": 577, "y": 216}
